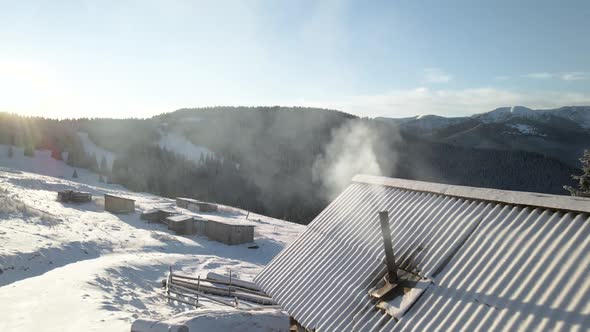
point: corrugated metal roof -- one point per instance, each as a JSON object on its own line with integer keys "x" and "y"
{"x": 322, "y": 278}
{"x": 547, "y": 201}
{"x": 524, "y": 268}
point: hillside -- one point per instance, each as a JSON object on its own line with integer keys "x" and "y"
{"x": 288, "y": 162}
{"x": 561, "y": 133}
{"x": 55, "y": 257}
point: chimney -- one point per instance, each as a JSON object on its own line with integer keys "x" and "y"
{"x": 387, "y": 245}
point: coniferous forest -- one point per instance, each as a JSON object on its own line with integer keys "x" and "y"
{"x": 265, "y": 159}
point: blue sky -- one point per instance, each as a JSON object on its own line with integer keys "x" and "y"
{"x": 370, "y": 58}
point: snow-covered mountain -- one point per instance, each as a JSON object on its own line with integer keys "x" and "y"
{"x": 577, "y": 114}
{"x": 561, "y": 133}
{"x": 424, "y": 122}
{"x": 55, "y": 257}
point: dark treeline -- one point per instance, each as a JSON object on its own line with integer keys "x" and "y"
{"x": 263, "y": 157}
{"x": 510, "y": 170}
{"x": 33, "y": 133}
{"x": 152, "y": 169}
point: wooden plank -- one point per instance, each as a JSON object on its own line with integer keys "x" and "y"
{"x": 211, "y": 281}
{"x": 237, "y": 282}
{"x": 225, "y": 291}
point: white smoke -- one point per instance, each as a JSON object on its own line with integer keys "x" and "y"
{"x": 351, "y": 151}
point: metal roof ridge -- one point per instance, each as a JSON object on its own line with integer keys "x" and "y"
{"x": 547, "y": 201}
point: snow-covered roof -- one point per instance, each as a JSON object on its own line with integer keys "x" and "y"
{"x": 555, "y": 202}
{"x": 495, "y": 260}
{"x": 119, "y": 197}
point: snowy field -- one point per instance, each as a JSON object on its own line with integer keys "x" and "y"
{"x": 75, "y": 267}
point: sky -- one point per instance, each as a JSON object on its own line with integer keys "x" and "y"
{"x": 371, "y": 58}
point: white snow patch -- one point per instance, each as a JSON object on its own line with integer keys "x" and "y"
{"x": 42, "y": 163}
{"x": 526, "y": 129}
{"x": 578, "y": 114}
{"x": 505, "y": 113}
{"x": 179, "y": 144}
{"x": 91, "y": 148}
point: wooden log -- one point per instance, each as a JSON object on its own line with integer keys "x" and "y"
{"x": 201, "y": 288}
{"x": 211, "y": 281}
{"x": 234, "y": 281}
{"x": 253, "y": 297}
{"x": 211, "y": 289}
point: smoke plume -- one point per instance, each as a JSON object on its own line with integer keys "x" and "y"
{"x": 352, "y": 150}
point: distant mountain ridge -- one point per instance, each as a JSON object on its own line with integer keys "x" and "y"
{"x": 561, "y": 133}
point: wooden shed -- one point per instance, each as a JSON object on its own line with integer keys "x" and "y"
{"x": 195, "y": 205}
{"x": 229, "y": 231}
{"x": 182, "y": 224}
{"x": 202, "y": 207}
{"x": 200, "y": 225}
{"x": 157, "y": 215}
{"x": 184, "y": 202}
{"x": 117, "y": 204}
{"x": 66, "y": 196}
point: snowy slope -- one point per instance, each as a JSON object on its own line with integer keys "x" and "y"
{"x": 577, "y": 114}
{"x": 91, "y": 148}
{"x": 42, "y": 163}
{"x": 170, "y": 141}
{"x": 561, "y": 133}
{"x": 424, "y": 122}
{"x": 68, "y": 267}
{"x": 503, "y": 114}
{"x": 525, "y": 129}
{"x": 179, "y": 144}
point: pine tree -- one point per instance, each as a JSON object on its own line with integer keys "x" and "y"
{"x": 584, "y": 179}
{"x": 75, "y": 175}
{"x": 104, "y": 168}
{"x": 93, "y": 163}
{"x": 76, "y": 156}
{"x": 29, "y": 151}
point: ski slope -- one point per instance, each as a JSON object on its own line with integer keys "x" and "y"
{"x": 182, "y": 146}
{"x": 75, "y": 267}
{"x": 92, "y": 149}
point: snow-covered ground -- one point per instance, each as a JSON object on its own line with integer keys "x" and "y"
{"x": 42, "y": 163}
{"x": 75, "y": 267}
{"x": 91, "y": 148}
{"x": 179, "y": 144}
{"x": 526, "y": 129}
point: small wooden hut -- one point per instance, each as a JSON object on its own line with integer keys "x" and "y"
{"x": 117, "y": 204}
